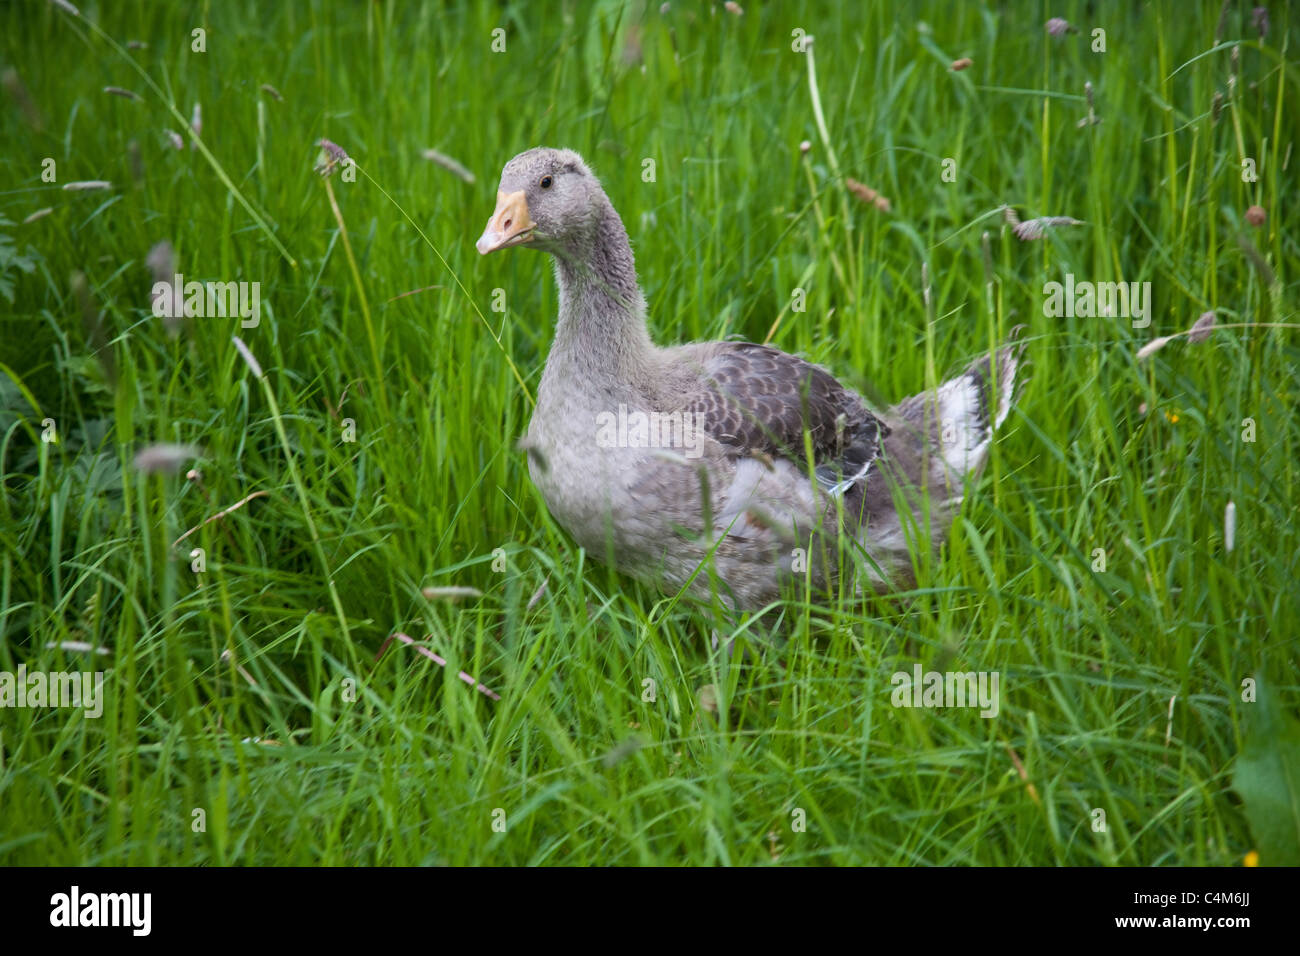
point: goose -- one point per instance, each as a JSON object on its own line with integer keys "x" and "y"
{"x": 723, "y": 468}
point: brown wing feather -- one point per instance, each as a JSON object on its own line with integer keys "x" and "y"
{"x": 757, "y": 399}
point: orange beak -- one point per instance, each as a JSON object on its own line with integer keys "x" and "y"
{"x": 510, "y": 224}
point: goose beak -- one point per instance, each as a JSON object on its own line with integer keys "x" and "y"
{"x": 510, "y": 224}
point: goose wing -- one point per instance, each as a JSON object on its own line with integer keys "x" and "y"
{"x": 759, "y": 401}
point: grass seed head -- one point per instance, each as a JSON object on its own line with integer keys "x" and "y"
{"x": 449, "y": 164}
{"x": 332, "y": 157}
{"x": 124, "y": 93}
{"x": 247, "y": 356}
{"x": 1259, "y": 20}
{"x": 1223, "y": 20}
{"x": 867, "y": 194}
{"x": 1033, "y": 229}
{"x": 1155, "y": 345}
{"x": 450, "y": 593}
{"x": 1201, "y": 328}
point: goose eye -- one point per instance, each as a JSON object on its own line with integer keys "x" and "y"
{"x": 546, "y": 182}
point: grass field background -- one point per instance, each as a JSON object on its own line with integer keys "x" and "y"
{"x": 250, "y": 691}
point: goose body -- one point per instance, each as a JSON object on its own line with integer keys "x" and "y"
{"x": 654, "y": 458}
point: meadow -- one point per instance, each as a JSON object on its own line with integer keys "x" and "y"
{"x": 888, "y": 200}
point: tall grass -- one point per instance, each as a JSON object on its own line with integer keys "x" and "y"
{"x": 1088, "y": 567}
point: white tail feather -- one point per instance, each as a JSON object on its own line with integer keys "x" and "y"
{"x": 964, "y": 431}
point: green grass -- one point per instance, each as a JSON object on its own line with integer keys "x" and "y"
{"x": 399, "y": 762}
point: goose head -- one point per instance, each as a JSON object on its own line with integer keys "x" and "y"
{"x": 548, "y": 199}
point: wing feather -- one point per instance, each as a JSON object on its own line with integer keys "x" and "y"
{"x": 757, "y": 401}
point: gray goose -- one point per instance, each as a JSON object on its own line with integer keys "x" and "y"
{"x": 653, "y": 458}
